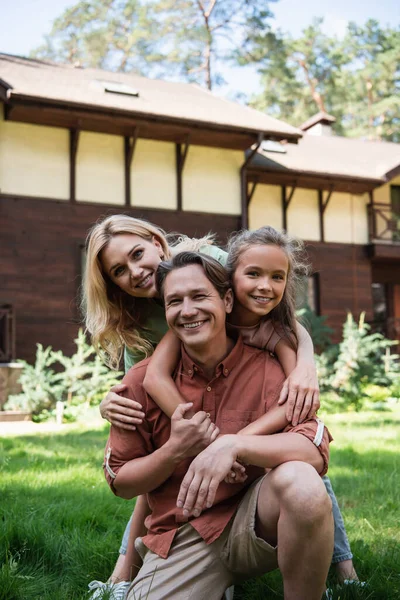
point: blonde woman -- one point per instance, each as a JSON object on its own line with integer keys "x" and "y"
{"x": 126, "y": 318}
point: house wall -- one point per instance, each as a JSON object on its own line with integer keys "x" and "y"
{"x": 153, "y": 175}
{"x": 345, "y": 219}
{"x": 211, "y": 180}
{"x": 345, "y": 279}
{"x": 100, "y": 168}
{"x": 34, "y": 160}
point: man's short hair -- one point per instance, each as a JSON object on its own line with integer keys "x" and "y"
{"x": 213, "y": 270}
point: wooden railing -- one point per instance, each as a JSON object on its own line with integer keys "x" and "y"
{"x": 384, "y": 224}
{"x": 7, "y": 333}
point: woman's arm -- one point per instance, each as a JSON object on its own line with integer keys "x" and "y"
{"x": 158, "y": 381}
{"x": 300, "y": 390}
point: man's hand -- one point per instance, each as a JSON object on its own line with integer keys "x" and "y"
{"x": 190, "y": 436}
{"x": 237, "y": 474}
{"x": 119, "y": 411}
{"x": 301, "y": 391}
{"x": 204, "y": 475}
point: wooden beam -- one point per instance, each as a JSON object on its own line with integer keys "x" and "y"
{"x": 244, "y": 199}
{"x": 129, "y": 150}
{"x": 73, "y": 151}
{"x": 322, "y": 206}
{"x": 180, "y": 164}
{"x": 286, "y": 200}
{"x": 251, "y": 193}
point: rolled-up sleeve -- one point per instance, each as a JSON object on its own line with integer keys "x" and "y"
{"x": 315, "y": 430}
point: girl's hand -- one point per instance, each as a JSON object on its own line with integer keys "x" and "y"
{"x": 237, "y": 474}
{"x": 119, "y": 411}
{"x": 301, "y": 391}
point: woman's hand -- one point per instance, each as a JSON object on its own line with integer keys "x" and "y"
{"x": 301, "y": 391}
{"x": 119, "y": 411}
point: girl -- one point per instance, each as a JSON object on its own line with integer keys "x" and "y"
{"x": 123, "y": 314}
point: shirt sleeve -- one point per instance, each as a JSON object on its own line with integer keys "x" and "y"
{"x": 123, "y": 445}
{"x": 314, "y": 429}
{"x": 220, "y": 255}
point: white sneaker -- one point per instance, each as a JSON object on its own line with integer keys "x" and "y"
{"x": 116, "y": 591}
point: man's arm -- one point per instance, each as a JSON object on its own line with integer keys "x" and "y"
{"x": 148, "y": 470}
{"x": 206, "y": 472}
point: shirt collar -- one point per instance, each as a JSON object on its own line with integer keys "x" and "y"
{"x": 224, "y": 367}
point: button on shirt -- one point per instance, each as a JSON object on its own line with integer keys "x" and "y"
{"x": 246, "y": 384}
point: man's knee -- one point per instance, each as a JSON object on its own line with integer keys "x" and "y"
{"x": 301, "y": 491}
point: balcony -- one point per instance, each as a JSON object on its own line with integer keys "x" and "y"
{"x": 384, "y": 232}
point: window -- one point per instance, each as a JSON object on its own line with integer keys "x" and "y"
{"x": 395, "y": 199}
{"x": 308, "y": 293}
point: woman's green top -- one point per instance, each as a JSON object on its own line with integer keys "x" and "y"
{"x": 156, "y": 326}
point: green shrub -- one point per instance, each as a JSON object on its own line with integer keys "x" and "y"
{"x": 360, "y": 369}
{"x": 82, "y": 379}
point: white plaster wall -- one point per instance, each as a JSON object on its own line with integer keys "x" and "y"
{"x": 153, "y": 175}
{"x": 34, "y": 160}
{"x": 303, "y": 215}
{"x": 100, "y": 168}
{"x": 266, "y": 207}
{"x": 346, "y": 219}
{"x": 211, "y": 180}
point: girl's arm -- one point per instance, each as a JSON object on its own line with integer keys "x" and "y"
{"x": 300, "y": 390}
{"x": 158, "y": 381}
{"x": 300, "y": 399}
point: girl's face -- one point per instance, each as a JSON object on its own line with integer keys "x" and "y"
{"x": 259, "y": 282}
{"x": 131, "y": 262}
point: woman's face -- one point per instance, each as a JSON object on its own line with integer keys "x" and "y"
{"x": 131, "y": 262}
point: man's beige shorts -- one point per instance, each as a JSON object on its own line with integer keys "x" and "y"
{"x": 200, "y": 571}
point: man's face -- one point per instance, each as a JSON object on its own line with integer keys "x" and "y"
{"x": 194, "y": 310}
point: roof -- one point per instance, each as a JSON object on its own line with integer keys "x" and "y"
{"x": 65, "y": 84}
{"x": 334, "y": 157}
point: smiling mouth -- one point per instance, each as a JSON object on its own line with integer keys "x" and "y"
{"x": 261, "y": 299}
{"x": 144, "y": 281}
{"x": 194, "y": 325}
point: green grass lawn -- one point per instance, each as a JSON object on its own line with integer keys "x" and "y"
{"x": 61, "y": 526}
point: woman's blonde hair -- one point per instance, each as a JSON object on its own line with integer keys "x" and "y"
{"x": 113, "y": 317}
{"x": 283, "y": 315}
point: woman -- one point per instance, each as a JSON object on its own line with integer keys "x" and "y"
{"x": 124, "y": 316}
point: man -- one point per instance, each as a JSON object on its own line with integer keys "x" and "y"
{"x": 205, "y": 534}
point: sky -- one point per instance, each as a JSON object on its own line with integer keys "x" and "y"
{"x": 24, "y": 22}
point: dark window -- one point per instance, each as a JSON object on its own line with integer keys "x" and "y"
{"x": 308, "y": 293}
{"x": 395, "y": 199}
{"x": 7, "y": 333}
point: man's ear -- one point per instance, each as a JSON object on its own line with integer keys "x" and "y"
{"x": 228, "y": 300}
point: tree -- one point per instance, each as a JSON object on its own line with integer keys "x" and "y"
{"x": 187, "y": 39}
{"x": 356, "y": 78}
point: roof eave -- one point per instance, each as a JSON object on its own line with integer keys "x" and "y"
{"x": 315, "y": 180}
{"x": 15, "y": 97}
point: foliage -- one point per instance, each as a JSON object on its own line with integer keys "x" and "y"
{"x": 355, "y": 78}
{"x": 362, "y": 364}
{"x": 187, "y": 39}
{"x": 317, "y": 327}
{"x": 39, "y": 384}
{"x": 82, "y": 378}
